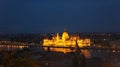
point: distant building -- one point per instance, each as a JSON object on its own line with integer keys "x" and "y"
{"x": 115, "y": 43}
{"x": 66, "y": 41}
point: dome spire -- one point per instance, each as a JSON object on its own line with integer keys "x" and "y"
{"x": 65, "y": 30}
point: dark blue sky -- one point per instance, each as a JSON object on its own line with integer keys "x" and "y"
{"x": 35, "y": 16}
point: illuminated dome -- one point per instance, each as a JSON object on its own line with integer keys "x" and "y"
{"x": 65, "y": 35}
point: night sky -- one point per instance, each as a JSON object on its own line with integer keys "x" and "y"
{"x": 39, "y": 16}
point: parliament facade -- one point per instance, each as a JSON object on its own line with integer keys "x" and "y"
{"x": 66, "y": 41}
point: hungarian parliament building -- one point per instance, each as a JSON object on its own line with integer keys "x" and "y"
{"x": 66, "y": 41}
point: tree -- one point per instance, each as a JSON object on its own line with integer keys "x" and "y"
{"x": 14, "y": 60}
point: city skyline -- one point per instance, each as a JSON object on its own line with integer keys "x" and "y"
{"x": 34, "y": 16}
